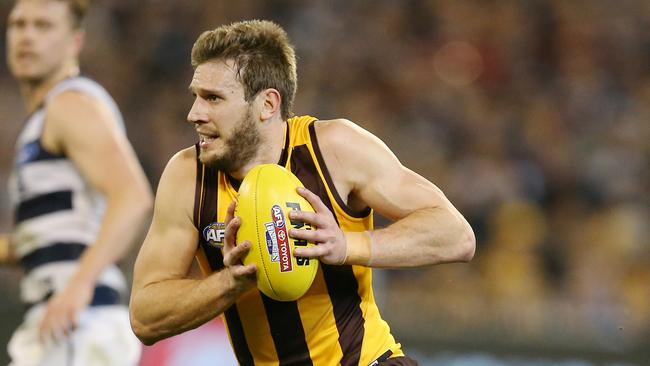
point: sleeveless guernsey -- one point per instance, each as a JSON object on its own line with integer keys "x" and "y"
{"x": 337, "y": 321}
{"x": 56, "y": 212}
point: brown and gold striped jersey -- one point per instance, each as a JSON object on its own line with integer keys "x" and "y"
{"x": 337, "y": 320}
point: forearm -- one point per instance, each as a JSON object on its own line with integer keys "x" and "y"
{"x": 7, "y": 255}
{"x": 121, "y": 226}
{"x": 164, "y": 309}
{"x": 424, "y": 237}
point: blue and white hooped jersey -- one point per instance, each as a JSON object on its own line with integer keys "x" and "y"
{"x": 57, "y": 213}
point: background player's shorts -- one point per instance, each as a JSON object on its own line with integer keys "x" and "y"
{"x": 104, "y": 337}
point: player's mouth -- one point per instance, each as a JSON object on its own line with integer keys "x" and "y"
{"x": 205, "y": 139}
{"x": 25, "y": 55}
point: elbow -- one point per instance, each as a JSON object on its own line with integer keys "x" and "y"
{"x": 140, "y": 202}
{"x": 147, "y": 202}
{"x": 141, "y": 324}
{"x": 467, "y": 244}
{"x": 144, "y": 198}
{"x": 144, "y": 337}
{"x": 143, "y": 332}
{"x": 135, "y": 200}
{"x": 146, "y": 206}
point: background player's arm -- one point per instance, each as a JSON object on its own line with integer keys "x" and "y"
{"x": 6, "y": 250}
{"x": 83, "y": 128}
{"x": 427, "y": 228}
{"x": 164, "y": 300}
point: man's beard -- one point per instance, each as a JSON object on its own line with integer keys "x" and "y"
{"x": 240, "y": 147}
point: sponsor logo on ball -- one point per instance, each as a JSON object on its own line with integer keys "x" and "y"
{"x": 277, "y": 215}
{"x": 272, "y": 242}
{"x": 282, "y": 237}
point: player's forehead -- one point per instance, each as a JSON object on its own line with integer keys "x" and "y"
{"x": 51, "y": 10}
{"x": 216, "y": 74}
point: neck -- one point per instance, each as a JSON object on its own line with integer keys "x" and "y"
{"x": 273, "y": 141}
{"x": 34, "y": 91}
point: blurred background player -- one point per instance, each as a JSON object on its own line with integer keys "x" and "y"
{"x": 79, "y": 195}
{"x": 244, "y": 86}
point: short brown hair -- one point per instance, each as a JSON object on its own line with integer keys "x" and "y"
{"x": 263, "y": 56}
{"x": 78, "y": 9}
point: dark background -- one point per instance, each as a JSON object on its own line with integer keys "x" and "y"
{"x": 532, "y": 116}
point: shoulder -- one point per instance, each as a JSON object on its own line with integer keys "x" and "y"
{"x": 74, "y": 118}
{"x": 339, "y": 133}
{"x": 347, "y": 139}
{"x": 181, "y": 167}
{"x": 333, "y": 128}
{"x": 70, "y": 100}
{"x": 183, "y": 159}
{"x": 355, "y": 154}
{"x": 176, "y": 188}
{"x": 73, "y": 105}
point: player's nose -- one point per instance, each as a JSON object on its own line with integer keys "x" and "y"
{"x": 198, "y": 113}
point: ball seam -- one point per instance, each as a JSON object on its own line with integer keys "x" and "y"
{"x": 257, "y": 226}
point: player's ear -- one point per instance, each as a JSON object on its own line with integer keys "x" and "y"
{"x": 270, "y": 103}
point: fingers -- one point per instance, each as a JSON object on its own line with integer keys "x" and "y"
{"x": 312, "y": 236}
{"x": 52, "y": 335}
{"x": 316, "y": 220}
{"x": 57, "y": 324}
{"x": 242, "y": 277}
{"x": 232, "y": 224}
{"x": 312, "y": 252}
{"x": 230, "y": 238}
{"x": 244, "y": 271}
{"x": 328, "y": 237}
{"x": 237, "y": 254}
{"x": 313, "y": 199}
{"x": 230, "y": 212}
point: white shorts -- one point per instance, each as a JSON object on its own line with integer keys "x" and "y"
{"x": 104, "y": 337}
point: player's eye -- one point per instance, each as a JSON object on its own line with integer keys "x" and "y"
{"x": 43, "y": 25}
{"x": 18, "y": 23}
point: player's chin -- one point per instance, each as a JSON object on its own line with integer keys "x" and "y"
{"x": 208, "y": 156}
{"x": 219, "y": 161}
{"x": 25, "y": 73}
{"x": 22, "y": 73}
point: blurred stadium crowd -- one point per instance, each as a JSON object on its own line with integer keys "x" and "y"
{"x": 533, "y": 117}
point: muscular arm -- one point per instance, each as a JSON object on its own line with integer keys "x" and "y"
{"x": 84, "y": 129}
{"x": 165, "y": 301}
{"x": 427, "y": 228}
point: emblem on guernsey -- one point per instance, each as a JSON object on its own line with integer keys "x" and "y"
{"x": 214, "y": 233}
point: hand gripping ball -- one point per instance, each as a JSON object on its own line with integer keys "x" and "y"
{"x": 266, "y": 195}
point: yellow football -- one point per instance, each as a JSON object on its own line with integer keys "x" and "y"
{"x": 266, "y": 195}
